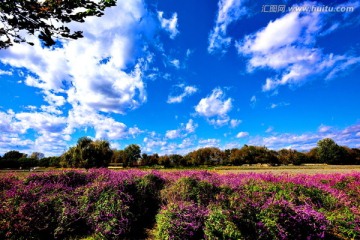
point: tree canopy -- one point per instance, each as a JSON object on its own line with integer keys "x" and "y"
{"x": 45, "y": 19}
{"x": 88, "y": 153}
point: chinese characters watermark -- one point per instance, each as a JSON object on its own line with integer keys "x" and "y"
{"x": 283, "y": 8}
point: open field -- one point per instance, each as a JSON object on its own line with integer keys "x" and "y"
{"x": 303, "y": 169}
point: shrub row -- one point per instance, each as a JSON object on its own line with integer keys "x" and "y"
{"x": 132, "y": 204}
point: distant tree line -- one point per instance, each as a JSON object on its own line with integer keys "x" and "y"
{"x": 88, "y": 153}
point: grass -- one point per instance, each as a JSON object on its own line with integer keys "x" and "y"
{"x": 290, "y": 169}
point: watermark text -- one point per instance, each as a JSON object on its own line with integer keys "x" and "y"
{"x": 284, "y": 8}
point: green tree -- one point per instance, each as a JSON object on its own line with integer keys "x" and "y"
{"x": 329, "y": 152}
{"x": 37, "y": 155}
{"x": 45, "y": 19}
{"x": 88, "y": 153}
{"x": 118, "y": 156}
{"x": 291, "y": 156}
{"x": 13, "y": 155}
{"x": 26, "y": 163}
{"x": 236, "y": 157}
{"x": 132, "y": 154}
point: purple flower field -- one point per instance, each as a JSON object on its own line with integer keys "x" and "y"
{"x": 133, "y": 204}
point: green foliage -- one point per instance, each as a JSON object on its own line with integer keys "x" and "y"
{"x": 50, "y": 162}
{"x": 26, "y": 163}
{"x": 180, "y": 220}
{"x": 103, "y": 204}
{"x": 205, "y": 156}
{"x": 329, "y": 152}
{"x": 190, "y": 190}
{"x": 218, "y": 225}
{"x": 132, "y": 154}
{"x": 45, "y": 19}
{"x": 88, "y": 153}
{"x": 13, "y": 155}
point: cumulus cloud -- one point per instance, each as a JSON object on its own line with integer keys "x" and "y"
{"x": 171, "y": 134}
{"x": 228, "y": 12}
{"x": 183, "y": 147}
{"x": 49, "y": 129}
{"x": 215, "y": 107}
{"x": 190, "y": 126}
{"x": 170, "y": 25}
{"x": 346, "y": 137}
{"x": 211, "y": 142}
{"x": 242, "y": 134}
{"x": 182, "y": 131}
{"x": 83, "y": 79}
{"x": 152, "y": 142}
{"x": 288, "y": 46}
{"x": 185, "y": 92}
{"x": 324, "y": 128}
{"x": 107, "y": 64}
{"x": 2, "y": 72}
{"x": 235, "y": 122}
{"x": 175, "y": 63}
{"x": 214, "y": 104}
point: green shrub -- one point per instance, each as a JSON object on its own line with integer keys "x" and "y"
{"x": 190, "y": 189}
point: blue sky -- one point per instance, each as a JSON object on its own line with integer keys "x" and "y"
{"x": 174, "y": 76}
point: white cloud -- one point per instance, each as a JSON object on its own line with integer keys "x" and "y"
{"x": 215, "y": 108}
{"x": 229, "y": 11}
{"x": 169, "y": 25}
{"x": 280, "y": 104}
{"x": 345, "y": 137}
{"x": 175, "y": 63}
{"x": 183, "y": 131}
{"x": 190, "y": 126}
{"x": 105, "y": 127}
{"x": 2, "y": 72}
{"x": 253, "y": 101}
{"x": 186, "y": 91}
{"x": 152, "y": 142}
{"x": 214, "y": 105}
{"x": 82, "y": 79}
{"x": 211, "y": 142}
{"x": 234, "y": 123}
{"x": 107, "y": 64}
{"x": 171, "y": 134}
{"x": 288, "y": 46}
{"x": 242, "y": 134}
{"x": 269, "y": 129}
{"x": 49, "y": 138}
{"x": 323, "y": 128}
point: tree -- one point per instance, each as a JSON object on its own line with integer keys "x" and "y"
{"x": 329, "y": 152}
{"x": 88, "y": 153}
{"x": 236, "y": 157}
{"x": 97, "y": 154}
{"x": 37, "y": 155}
{"x": 290, "y": 156}
{"x": 26, "y": 163}
{"x": 132, "y": 154}
{"x": 118, "y": 156}
{"x": 45, "y": 19}
{"x": 13, "y": 155}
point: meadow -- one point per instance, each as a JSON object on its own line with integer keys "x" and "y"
{"x": 187, "y": 204}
